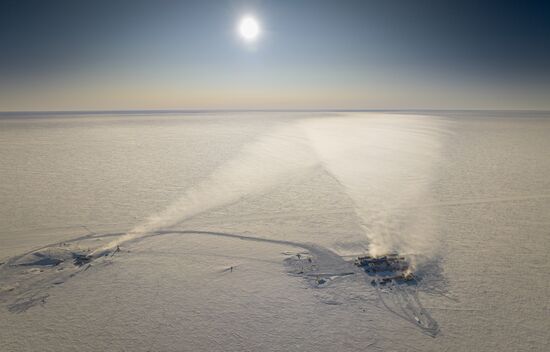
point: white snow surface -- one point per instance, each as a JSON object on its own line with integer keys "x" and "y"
{"x": 238, "y": 231}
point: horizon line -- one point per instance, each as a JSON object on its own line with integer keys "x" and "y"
{"x": 172, "y": 111}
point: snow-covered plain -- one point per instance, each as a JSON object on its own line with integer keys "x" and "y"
{"x": 237, "y": 231}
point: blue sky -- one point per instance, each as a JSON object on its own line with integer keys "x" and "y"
{"x": 79, "y": 55}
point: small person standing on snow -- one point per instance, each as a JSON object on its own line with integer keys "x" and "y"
{"x": 116, "y": 250}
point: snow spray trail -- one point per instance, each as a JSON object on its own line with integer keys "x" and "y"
{"x": 260, "y": 165}
{"x": 385, "y": 165}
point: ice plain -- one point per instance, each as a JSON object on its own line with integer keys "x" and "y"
{"x": 215, "y": 216}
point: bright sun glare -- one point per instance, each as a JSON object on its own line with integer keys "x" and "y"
{"x": 249, "y": 28}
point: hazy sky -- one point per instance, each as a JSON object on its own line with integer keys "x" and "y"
{"x": 109, "y": 54}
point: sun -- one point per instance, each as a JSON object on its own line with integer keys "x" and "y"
{"x": 249, "y": 28}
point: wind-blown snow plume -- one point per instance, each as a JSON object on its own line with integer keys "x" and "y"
{"x": 385, "y": 164}
{"x": 260, "y": 165}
